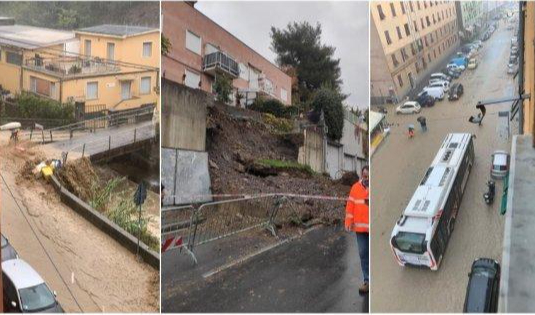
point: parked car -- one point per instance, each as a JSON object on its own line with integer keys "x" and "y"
{"x": 25, "y": 291}
{"x": 514, "y": 50}
{"x": 445, "y": 85}
{"x": 513, "y": 59}
{"x": 472, "y": 64}
{"x": 425, "y": 100}
{"x": 8, "y": 252}
{"x": 436, "y": 92}
{"x": 478, "y": 44}
{"x": 456, "y": 91}
{"x": 439, "y": 76}
{"x": 455, "y": 66}
{"x": 453, "y": 73}
{"x": 485, "y": 36}
{"x": 511, "y": 68}
{"x": 500, "y": 164}
{"x": 483, "y": 287}
{"x": 410, "y": 107}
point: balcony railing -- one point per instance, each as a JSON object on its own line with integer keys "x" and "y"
{"x": 219, "y": 61}
{"x": 70, "y": 66}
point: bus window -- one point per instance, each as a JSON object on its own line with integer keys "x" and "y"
{"x": 410, "y": 242}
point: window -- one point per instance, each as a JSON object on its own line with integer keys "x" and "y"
{"x": 380, "y": 11}
{"x": 404, "y": 55}
{"x": 91, "y": 91}
{"x": 407, "y": 30}
{"x": 147, "y": 49}
{"x": 87, "y": 47}
{"x": 402, "y": 7}
{"x": 42, "y": 87}
{"x": 14, "y": 58}
{"x": 284, "y": 95}
{"x": 410, "y": 4}
{"x": 399, "y": 32}
{"x": 145, "y": 86}
{"x": 429, "y": 57}
{"x": 193, "y": 42}
{"x": 392, "y": 9}
{"x": 126, "y": 90}
{"x": 244, "y": 71}
{"x": 388, "y": 39}
{"x": 423, "y": 25}
{"x": 425, "y": 5}
{"x": 395, "y": 60}
{"x": 418, "y": 4}
{"x": 427, "y": 20}
{"x": 192, "y": 79}
{"x": 111, "y": 51}
{"x": 415, "y": 25}
{"x": 400, "y": 81}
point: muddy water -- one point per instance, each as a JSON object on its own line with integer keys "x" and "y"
{"x": 397, "y": 168}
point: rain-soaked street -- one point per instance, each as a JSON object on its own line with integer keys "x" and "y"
{"x": 400, "y": 163}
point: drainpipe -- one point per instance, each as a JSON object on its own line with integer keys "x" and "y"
{"x": 521, "y": 20}
{"x": 61, "y": 90}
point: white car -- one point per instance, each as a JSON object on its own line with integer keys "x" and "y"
{"x": 445, "y": 85}
{"x": 436, "y": 92}
{"x": 500, "y": 164}
{"x": 25, "y": 291}
{"x": 439, "y": 76}
{"x": 472, "y": 63}
{"x": 455, "y": 67}
{"x": 410, "y": 107}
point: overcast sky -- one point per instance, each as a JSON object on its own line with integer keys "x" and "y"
{"x": 344, "y": 26}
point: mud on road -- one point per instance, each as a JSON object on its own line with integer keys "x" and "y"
{"x": 102, "y": 275}
{"x": 400, "y": 163}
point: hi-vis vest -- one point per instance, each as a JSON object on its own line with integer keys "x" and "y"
{"x": 357, "y": 211}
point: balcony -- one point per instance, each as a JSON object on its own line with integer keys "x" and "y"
{"x": 69, "y": 67}
{"x": 219, "y": 62}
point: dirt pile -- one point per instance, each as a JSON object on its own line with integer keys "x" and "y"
{"x": 247, "y": 157}
{"x": 79, "y": 177}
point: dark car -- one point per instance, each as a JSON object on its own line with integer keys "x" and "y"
{"x": 483, "y": 287}
{"x": 8, "y": 252}
{"x": 456, "y": 90}
{"x": 454, "y": 73}
{"x": 425, "y": 100}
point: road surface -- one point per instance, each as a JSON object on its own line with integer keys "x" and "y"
{"x": 100, "y": 273}
{"x": 400, "y": 163}
{"x": 319, "y": 272}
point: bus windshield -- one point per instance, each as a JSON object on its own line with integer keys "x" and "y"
{"x": 410, "y": 242}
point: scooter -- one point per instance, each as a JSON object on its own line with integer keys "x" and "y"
{"x": 489, "y": 195}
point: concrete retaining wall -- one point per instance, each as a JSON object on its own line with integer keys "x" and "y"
{"x": 311, "y": 153}
{"x": 106, "y": 225}
{"x": 184, "y": 112}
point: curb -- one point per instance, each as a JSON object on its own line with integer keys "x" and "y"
{"x": 106, "y": 225}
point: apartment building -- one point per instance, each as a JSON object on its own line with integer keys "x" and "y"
{"x": 408, "y": 41}
{"x": 105, "y": 67}
{"x": 202, "y": 50}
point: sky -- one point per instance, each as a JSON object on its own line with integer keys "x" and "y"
{"x": 344, "y": 26}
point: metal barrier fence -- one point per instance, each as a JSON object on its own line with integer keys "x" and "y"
{"x": 213, "y": 221}
{"x": 67, "y": 132}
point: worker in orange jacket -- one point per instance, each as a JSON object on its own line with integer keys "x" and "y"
{"x": 357, "y": 220}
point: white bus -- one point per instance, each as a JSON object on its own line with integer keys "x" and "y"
{"x": 422, "y": 232}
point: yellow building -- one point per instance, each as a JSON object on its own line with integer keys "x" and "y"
{"x": 409, "y": 40}
{"x": 527, "y": 73}
{"x": 106, "y": 67}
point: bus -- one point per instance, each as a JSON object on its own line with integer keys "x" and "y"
{"x": 422, "y": 232}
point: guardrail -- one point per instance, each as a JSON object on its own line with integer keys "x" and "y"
{"x": 67, "y": 132}
{"x": 188, "y": 227}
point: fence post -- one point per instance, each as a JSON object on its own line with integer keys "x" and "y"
{"x": 43, "y": 135}
{"x": 135, "y": 134}
{"x": 274, "y": 211}
{"x": 31, "y": 133}
{"x": 51, "y": 139}
{"x": 70, "y": 133}
{"x": 83, "y": 151}
{"x": 109, "y": 143}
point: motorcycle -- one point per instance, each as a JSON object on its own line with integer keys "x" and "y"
{"x": 489, "y": 195}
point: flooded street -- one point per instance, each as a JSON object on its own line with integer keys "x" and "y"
{"x": 400, "y": 163}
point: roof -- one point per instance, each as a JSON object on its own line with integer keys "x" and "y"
{"x": 121, "y": 31}
{"x": 374, "y": 119}
{"x": 21, "y": 273}
{"x": 29, "y": 37}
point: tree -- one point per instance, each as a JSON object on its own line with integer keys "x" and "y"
{"x": 223, "y": 88}
{"x": 299, "y": 47}
{"x": 330, "y": 102}
{"x": 68, "y": 19}
{"x": 166, "y": 45}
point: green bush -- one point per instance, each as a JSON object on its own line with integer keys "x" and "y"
{"x": 32, "y": 106}
{"x": 274, "y": 107}
{"x": 330, "y": 102}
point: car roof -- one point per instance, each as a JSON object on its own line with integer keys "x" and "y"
{"x": 500, "y": 158}
{"x": 410, "y": 103}
{"x": 21, "y": 273}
